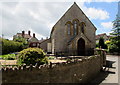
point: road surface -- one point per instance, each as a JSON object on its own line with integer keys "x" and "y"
{"x": 109, "y": 76}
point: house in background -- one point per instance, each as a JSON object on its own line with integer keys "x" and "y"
{"x": 23, "y": 35}
{"x": 44, "y": 45}
{"x": 32, "y": 40}
{"x": 104, "y": 36}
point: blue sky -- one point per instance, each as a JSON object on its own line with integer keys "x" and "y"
{"x": 39, "y": 16}
{"x": 111, "y": 8}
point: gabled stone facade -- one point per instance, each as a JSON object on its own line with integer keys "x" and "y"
{"x": 73, "y": 34}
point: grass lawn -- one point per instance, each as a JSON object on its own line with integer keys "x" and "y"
{"x": 8, "y": 57}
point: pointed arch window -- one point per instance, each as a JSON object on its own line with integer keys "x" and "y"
{"x": 75, "y": 27}
{"x": 68, "y": 27}
{"x": 82, "y": 27}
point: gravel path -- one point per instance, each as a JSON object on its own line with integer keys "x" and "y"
{"x": 13, "y": 62}
{"x": 8, "y": 62}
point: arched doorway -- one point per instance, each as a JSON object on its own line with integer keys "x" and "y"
{"x": 81, "y": 47}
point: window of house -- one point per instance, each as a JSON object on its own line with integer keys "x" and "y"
{"x": 38, "y": 44}
{"x": 34, "y": 44}
{"x": 75, "y": 27}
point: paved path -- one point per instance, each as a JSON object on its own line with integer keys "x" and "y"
{"x": 57, "y": 61}
{"x": 110, "y": 76}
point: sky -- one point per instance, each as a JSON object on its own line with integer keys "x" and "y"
{"x": 40, "y": 16}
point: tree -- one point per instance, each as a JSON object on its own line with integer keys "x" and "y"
{"x": 9, "y": 46}
{"x": 115, "y": 39}
{"x": 22, "y": 40}
{"x": 102, "y": 44}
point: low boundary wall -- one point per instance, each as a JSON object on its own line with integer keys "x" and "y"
{"x": 78, "y": 71}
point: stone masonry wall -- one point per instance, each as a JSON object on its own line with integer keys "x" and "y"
{"x": 59, "y": 32}
{"x": 78, "y": 71}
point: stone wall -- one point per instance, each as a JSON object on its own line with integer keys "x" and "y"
{"x": 77, "y": 71}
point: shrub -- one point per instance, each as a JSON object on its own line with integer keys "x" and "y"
{"x": 107, "y": 42}
{"x": 51, "y": 57}
{"x": 9, "y": 46}
{"x": 21, "y": 40}
{"x": 31, "y": 56}
{"x": 113, "y": 48}
{"x": 8, "y": 57}
{"x": 97, "y": 45}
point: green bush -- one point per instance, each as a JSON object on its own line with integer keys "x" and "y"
{"x": 8, "y": 57}
{"x": 114, "y": 45}
{"x": 21, "y": 40}
{"x": 31, "y": 56}
{"x": 97, "y": 45}
{"x": 9, "y": 46}
{"x": 51, "y": 57}
{"x": 113, "y": 48}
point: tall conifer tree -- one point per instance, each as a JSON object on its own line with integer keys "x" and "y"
{"x": 116, "y": 32}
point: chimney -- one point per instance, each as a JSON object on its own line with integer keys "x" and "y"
{"x": 28, "y": 32}
{"x": 34, "y": 35}
{"x": 23, "y": 33}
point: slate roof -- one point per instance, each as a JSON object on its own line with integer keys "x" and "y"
{"x": 25, "y": 35}
{"x": 41, "y": 41}
{"x": 33, "y": 39}
{"x": 101, "y": 35}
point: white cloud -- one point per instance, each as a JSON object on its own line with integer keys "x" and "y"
{"x": 94, "y": 13}
{"x": 107, "y": 25}
{"x": 40, "y": 16}
{"x": 108, "y": 33}
{"x": 36, "y": 34}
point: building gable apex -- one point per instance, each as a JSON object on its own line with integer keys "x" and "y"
{"x": 74, "y": 5}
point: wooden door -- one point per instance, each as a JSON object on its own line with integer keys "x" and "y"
{"x": 81, "y": 47}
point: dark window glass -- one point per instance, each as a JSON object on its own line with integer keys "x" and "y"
{"x": 82, "y": 28}
{"x": 68, "y": 27}
{"x": 74, "y": 27}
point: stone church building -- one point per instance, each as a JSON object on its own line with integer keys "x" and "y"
{"x": 73, "y": 34}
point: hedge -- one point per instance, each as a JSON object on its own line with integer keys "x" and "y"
{"x": 9, "y": 46}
